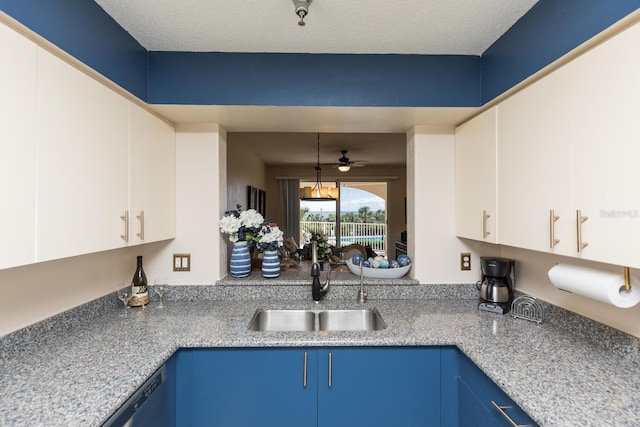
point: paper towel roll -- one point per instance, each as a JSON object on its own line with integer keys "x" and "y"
{"x": 599, "y": 285}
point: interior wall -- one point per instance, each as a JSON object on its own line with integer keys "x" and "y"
{"x": 531, "y": 278}
{"x": 244, "y": 168}
{"x": 396, "y": 190}
{"x": 35, "y": 292}
{"x": 431, "y": 240}
{"x": 201, "y": 186}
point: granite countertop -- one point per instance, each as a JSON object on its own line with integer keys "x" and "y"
{"x": 79, "y": 367}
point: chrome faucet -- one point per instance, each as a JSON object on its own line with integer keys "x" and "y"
{"x": 318, "y": 291}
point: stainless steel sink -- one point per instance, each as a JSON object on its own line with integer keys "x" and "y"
{"x": 283, "y": 320}
{"x": 317, "y": 320}
{"x": 350, "y": 320}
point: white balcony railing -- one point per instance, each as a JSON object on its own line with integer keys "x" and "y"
{"x": 372, "y": 234}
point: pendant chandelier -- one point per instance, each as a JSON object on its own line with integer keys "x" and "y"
{"x": 318, "y": 192}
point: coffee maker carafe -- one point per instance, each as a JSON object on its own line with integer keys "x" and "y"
{"x": 496, "y": 285}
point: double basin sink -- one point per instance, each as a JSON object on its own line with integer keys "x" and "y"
{"x": 317, "y": 320}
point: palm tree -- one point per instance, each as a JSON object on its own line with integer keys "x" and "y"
{"x": 349, "y": 217}
{"x": 364, "y": 213}
{"x": 303, "y": 213}
{"x": 380, "y": 216}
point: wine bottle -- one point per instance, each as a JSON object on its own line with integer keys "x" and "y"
{"x": 140, "y": 293}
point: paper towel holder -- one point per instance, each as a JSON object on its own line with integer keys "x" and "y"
{"x": 627, "y": 280}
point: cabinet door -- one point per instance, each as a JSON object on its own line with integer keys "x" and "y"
{"x": 244, "y": 387}
{"x": 475, "y": 151}
{"x": 83, "y": 174}
{"x": 379, "y": 387}
{"x": 606, "y": 135}
{"x": 18, "y": 148}
{"x": 534, "y": 166}
{"x": 472, "y": 412}
{"x": 486, "y": 391}
{"x": 153, "y": 177}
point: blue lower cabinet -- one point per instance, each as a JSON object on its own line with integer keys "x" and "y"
{"x": 243, "y": 387}
{"x": 472, "y": 412}
{"x": 379, "y": 387}
{"x": 480, "y": 396}
{"x": 333, "y": 387}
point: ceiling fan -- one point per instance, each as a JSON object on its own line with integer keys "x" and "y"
{"x": 344, "y": 164}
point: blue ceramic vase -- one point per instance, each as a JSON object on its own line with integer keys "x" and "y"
{"x": 240, "y": 260}
{"x": 270, "y": 264}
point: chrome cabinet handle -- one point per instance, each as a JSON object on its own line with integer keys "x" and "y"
{"x": 501, "y": 409}
{"x": 485, "y": 217}
{"x": 304, "y": 374}
{"x": 141, "y": 218}
{"x": 330, "y": 368}
{"x": 552, "y": 229}
{"x": 579, "y": 221}
{"x": 125, "y": 218}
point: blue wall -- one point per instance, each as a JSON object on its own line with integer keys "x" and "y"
{"x": 84, "y": 30}
{"x": 551, "y": 29}
{"x": 548, "y": 31}
{"x": 313, "y": 79}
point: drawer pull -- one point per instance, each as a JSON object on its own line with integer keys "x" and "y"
{"x": 141, "y": 219}
{"x": 330, "y": 370}
{"x": 501, "y": 409}
{"x": 579, "y": 220}
{"x": 485, "y": 217}
{"x": 125, "y": 218}
{"x": 304, "y": 374}
{"x": 552, "y": 229}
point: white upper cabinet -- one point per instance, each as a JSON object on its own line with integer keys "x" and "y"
{"x": 83, "y": 171}
{"x": 78, "y": 157}
{"x": 18, "y": 148}
{"x": 153, "y": 177}
{"x": 475, "y": 154}
{"x": 534, "y": 167}
{"x": 606, "y": 148}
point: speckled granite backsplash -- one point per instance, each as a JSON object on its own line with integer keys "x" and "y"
{"x": 291, "y": 286}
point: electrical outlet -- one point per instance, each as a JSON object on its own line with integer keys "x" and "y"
{"x": 181, "y": 262}
{"x": 465, "y": 261}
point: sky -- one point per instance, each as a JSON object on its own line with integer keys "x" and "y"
{"x": 351, "y": 200}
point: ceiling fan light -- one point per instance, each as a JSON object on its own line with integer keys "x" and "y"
{"x": 344, "y": 168}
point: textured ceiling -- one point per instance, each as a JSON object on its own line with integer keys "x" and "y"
{"x": 461, "y": 27}
{"x": 464, "y": 27}
{"x": 294, "y": 148}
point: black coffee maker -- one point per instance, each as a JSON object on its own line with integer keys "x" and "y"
{"x": 497, "y": 283}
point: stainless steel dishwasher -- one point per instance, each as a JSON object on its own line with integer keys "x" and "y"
{"x": 147, "y": 407}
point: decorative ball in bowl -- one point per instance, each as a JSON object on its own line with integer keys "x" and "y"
{"x": 379, "y": 273}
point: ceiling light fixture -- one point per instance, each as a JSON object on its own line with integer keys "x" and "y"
{"x": 319, "y": 192}
{"x": 345, "y": 164}
{"x": 302, "y": 9}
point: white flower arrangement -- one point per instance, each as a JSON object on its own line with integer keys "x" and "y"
{"x": 241, "y": 225}
{"x": 270, "y": 238}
